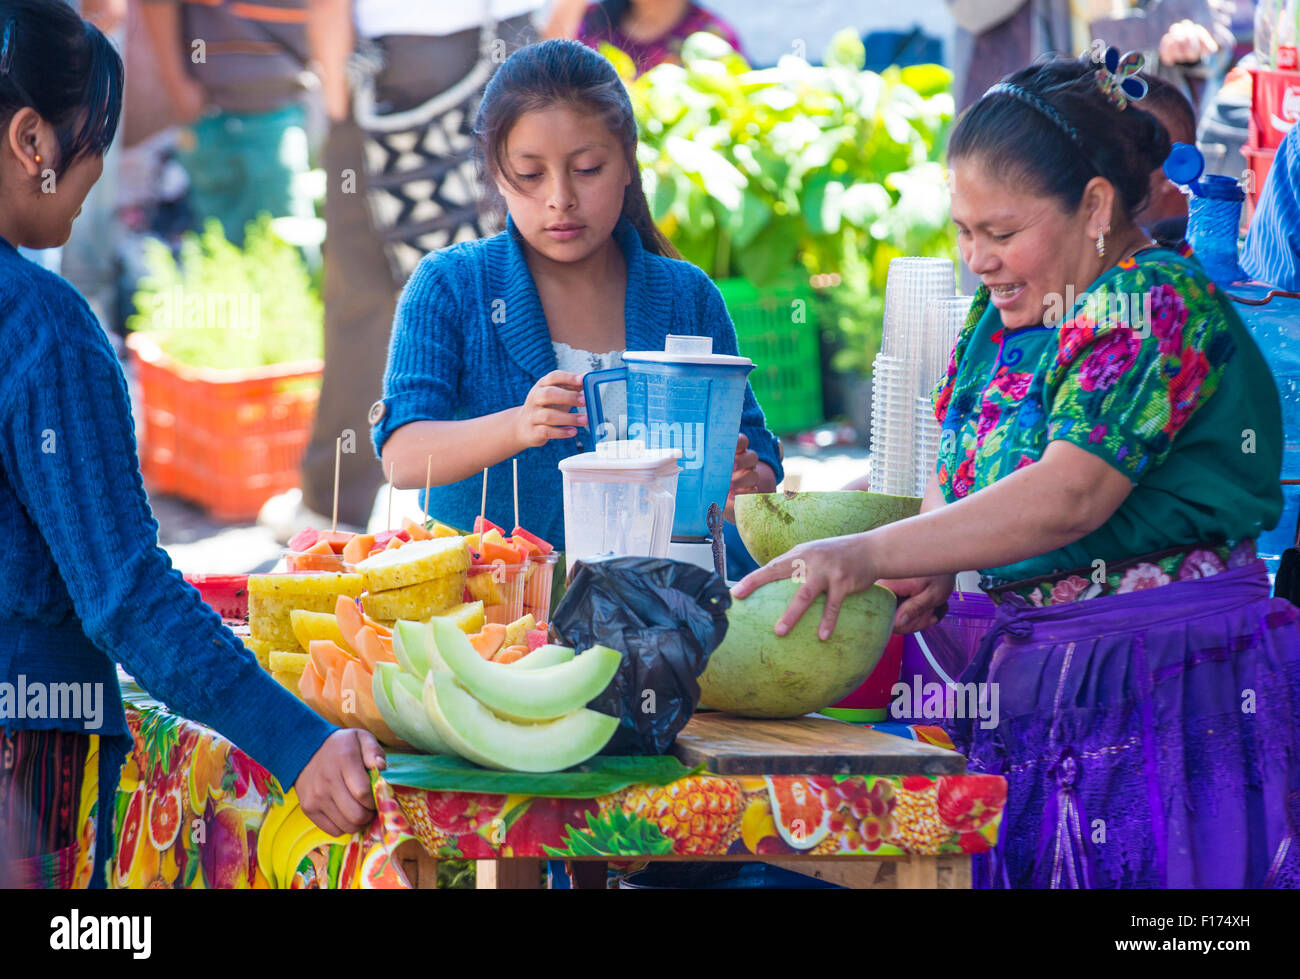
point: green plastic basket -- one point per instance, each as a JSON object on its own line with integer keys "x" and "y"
{"x": 787, "y": 377}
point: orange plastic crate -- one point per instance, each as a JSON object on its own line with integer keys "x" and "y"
{"x": 227, "y": 440}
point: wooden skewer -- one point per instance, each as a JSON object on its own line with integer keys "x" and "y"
{"x": 388, "y": 524}
{"x": 515, "y": 466}
{"x": 482, "y": 508}
{"x": 428, "y": 481}
{"x": 338, "y": 456}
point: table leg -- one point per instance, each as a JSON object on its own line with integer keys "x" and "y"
{"x": 926, "y": 872}
{"x": 515, "y": 873}
{"x": 420, "y": 868}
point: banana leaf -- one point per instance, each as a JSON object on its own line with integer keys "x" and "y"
{"x": 599, "y": 776}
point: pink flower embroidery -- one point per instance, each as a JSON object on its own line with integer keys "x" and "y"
{"x": 1142, "y": 576}
{"x": 1097, "y": 434}
{"x": 1185, "y": 388}
{"x": 1013, "y": 385}
{"x": 1168, "y": 316}
{"x": 1024, "y": 461}
{"x": 1200, "y": 564}
{"x": 1036, "y": 598}
{"x": 1075, "y": 336}
{"x": 1068, "y": 590}
{"x": 989, "y": 415}
{"x": 964, "y": 478}
{"x": 1111, "y": 356}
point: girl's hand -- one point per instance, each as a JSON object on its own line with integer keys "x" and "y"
{"x": 745, "y": 477}
{"x": 334, "y": 787}
{"x": 545, "y": 412}
{"x": 923, "y": 598}
{"x": 837, "y": 567}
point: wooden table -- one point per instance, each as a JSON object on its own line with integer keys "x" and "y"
{"x": 806, "y": 746}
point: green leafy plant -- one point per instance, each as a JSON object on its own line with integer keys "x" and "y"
{"x": 613, "y": 834}
{"x": 798, "y": 170}
{"x": 227, "y": 307}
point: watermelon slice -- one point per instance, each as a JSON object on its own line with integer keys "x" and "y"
{"x": 304, "y": 539}
{"x": 533, "y": 539}
{"x": 535, "y": 638}
{"x": 384, "y": 536}
{"x": 482, "y": 525}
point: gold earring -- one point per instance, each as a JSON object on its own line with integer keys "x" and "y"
{"x": 38, "y": 158}
{"x": 1101, "y": 244}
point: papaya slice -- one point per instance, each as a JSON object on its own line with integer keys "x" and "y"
{"x": 416, "y": 531}
{"x": 509, "y": 654}
{"x": 331, "y": 698}
{"x": 349, "y": 618}
{"x": 320, "y": 547}
{"x": 489, "y": 640}
{"x": 310, "y": 687}
{"x": 371, "y": 650}
{"x": 327, "y": 656}
{"x": 358, "y": 548}
{"x": 355, "y": 693}
{"x": 383, "y": 630}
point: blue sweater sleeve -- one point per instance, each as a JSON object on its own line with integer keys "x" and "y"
{"x": 715, "y": 321}
{"x": 68, "y": 447}
{"x": 422, "y": 380}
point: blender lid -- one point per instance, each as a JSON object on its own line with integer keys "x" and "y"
{"x": 628, "y": 456}
{"x": 687, "y": 350}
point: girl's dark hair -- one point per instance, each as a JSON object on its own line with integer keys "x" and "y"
{"x": 1080, "y": 135}
{"x": 65, "y": 69}
{"x": 548, "y": 74}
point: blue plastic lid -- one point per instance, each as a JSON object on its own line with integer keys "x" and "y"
{"x": 1221, "y": 188}
{"x": 1184, "y": 164}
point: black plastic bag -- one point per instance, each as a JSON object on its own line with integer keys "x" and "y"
{"x": 666, "y": 617}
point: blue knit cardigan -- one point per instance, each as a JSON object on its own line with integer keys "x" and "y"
{"x": 470, "y": 338}
{"x": 85, "y": 583}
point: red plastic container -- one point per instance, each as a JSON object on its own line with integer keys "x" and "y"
{"x": 1274, "y": 107}
{"x": 227, "y": 593}
{"x": 1260, "y": 162}
{"x": 870, "y": 702}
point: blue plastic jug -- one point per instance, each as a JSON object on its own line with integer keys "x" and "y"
{"x": 682, "y": 397}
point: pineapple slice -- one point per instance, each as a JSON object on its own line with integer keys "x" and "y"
{"x": 316, "y": 625}
{"x": 416, "y": 602}
{"x": 515, "y": 631}
{"x": 283, "y": 661}
{"x": 469, "y": 617}
{"x": 289, "y": 681}
{"x": 261, "y": 649}
{"x": 327, "y": 584}
{"x": 483, "y": 588}
{"x": 416, "y": 562}
{"x": 442, "y": 530}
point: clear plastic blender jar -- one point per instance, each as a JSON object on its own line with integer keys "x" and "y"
{"x": 619, "y": 501}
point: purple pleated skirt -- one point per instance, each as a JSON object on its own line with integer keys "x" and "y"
{"x": 1149, "y": 739}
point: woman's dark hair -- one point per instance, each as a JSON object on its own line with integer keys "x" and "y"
{"x": 1055, "y": 150}
{"x": 65, "y": 69}
{"x": 555, "y": 73}
{"x": 606, "y": 15}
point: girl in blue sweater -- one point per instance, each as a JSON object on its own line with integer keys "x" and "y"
{"x": 85, "y": 584}
{"x": 492, "y": 337}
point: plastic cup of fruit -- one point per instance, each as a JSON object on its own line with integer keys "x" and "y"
{"x": 538, "y": 584}
{"x": 503, "y": 594}
{"x": 301, "y": 562}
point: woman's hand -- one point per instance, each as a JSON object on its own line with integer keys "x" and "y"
{"x": 922, "y": 600}
{"x": 748, "y": 475}
{"x": 837, "y": 567}
{"x": 545, "y": 412}
{"x": 334, "y": 787}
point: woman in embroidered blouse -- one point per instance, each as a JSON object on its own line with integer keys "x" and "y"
{"x": 1109, "y": 478}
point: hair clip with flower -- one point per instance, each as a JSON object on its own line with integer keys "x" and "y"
{"x": 1116, "y": 77}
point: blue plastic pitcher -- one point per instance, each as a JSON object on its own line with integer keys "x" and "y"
{"x": 682, "y": 397}
{"x": 1213, "y": 215}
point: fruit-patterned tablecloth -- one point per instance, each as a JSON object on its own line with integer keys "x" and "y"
{"x": 192, "y": 811}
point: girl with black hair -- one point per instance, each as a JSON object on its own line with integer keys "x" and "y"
{"x": 650, "y": 32}
{"x": 1111, "y": 449}
{"x": 85, "y": 584}
{"x": 492, "y": 336}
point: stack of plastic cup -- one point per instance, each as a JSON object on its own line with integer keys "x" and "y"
{"x": 900, "y": 370}
{"x": 943, "y": 321}
{"x": 927, "y": 444}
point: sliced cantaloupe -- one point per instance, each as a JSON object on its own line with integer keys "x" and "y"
{"x": 310, "y": 686}
{"x": 474, "y": 732}
{"x": 317, "y": 625}
{"x": 526, "y": 695}
{"x": 371, "y": 649}
{"x": 379, "y": 627}
{"x": 330, "y": 695}
{"x": 360, "y": 682}
{"x": 548, "y": 655}
{"x": 510, "y": 654}
{"x": 489, "y": 640}
{"x": 328, "y": 656}
{"x": 320, "y": 547}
